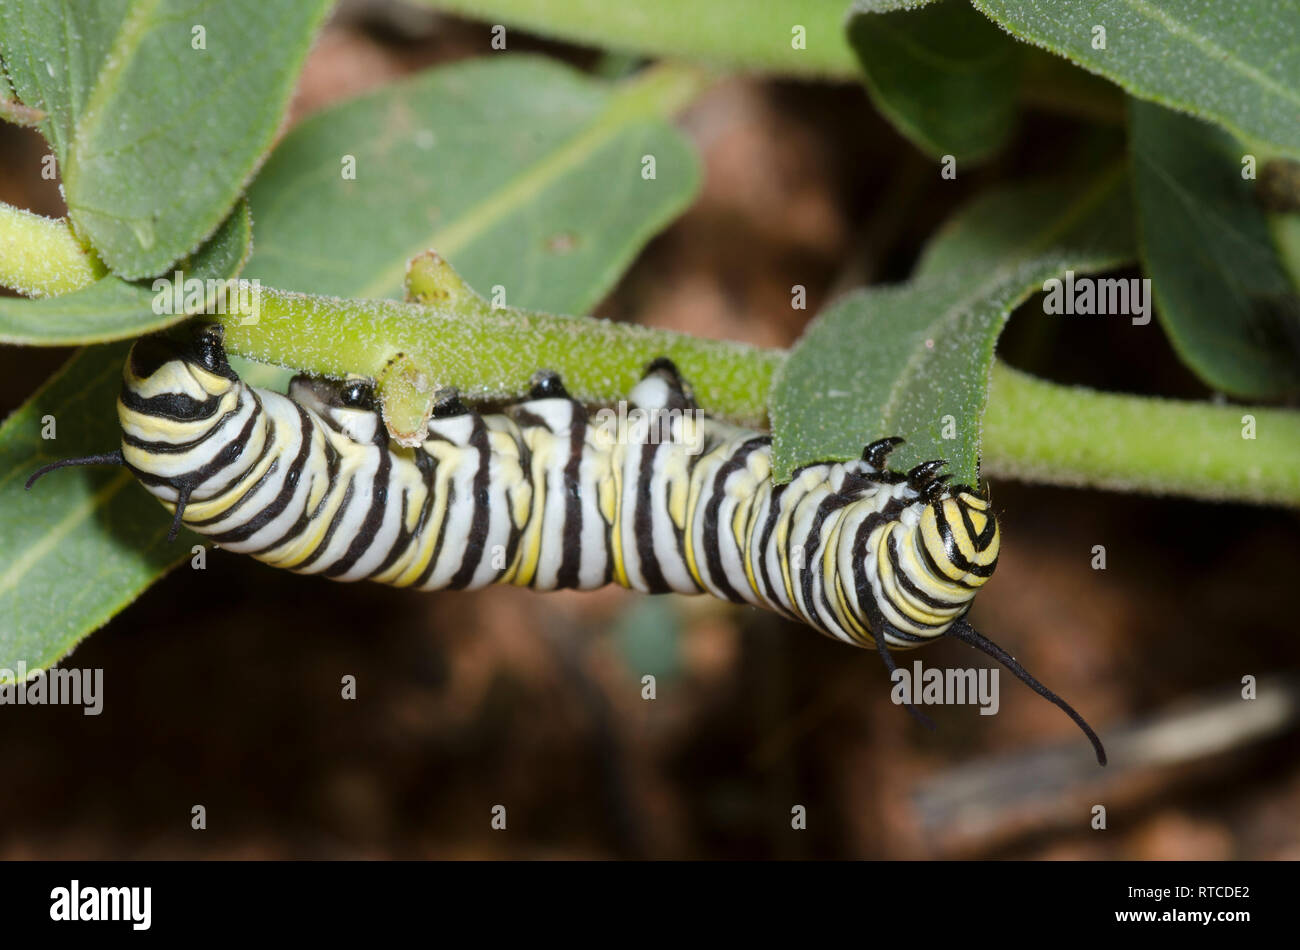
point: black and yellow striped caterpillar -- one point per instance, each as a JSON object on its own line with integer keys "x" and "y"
{"x": 546, "y": 495}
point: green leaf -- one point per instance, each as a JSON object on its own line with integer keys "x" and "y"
{"x": 1222, "y": 295}
{"x": 156, "y": 139}
{"x": 116, "y": 309}
{"x": 941, "y": 73}
{"x": 83, "y": 543}
{"x": 906, "y": 359}
{"x": 520, "y": 171}
{"x": 1236, "y": 64}
{"x": 751, "y": 34}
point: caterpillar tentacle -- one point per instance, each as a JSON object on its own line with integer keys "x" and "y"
{"x": 546, "y": 494}
{"x": 106, "y": 458}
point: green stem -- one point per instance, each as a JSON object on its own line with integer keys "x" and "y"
{"x": 491, "y": 353}
{"x": 41, "y": 257}
{"x": 1065, "y": 435}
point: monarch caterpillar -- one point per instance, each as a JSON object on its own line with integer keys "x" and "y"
{"x": 542, "y": 495}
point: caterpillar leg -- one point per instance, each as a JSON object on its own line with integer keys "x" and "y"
{"x": 546, "y": 384}
{"x": 448, "y": 404}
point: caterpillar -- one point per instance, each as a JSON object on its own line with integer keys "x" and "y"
{"x": 545, "y": 495}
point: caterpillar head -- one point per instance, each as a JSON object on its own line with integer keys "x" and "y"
{"x": 180, "y": 379}
{"x": 175, "y": 398}
{"x": 959, "y": 532}
{"x": 187, "y": 428}
{"x": 931, "y": 562}
{"x": 173, "y": 395}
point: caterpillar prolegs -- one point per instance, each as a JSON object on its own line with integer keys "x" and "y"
{"x": 546, "y": 494}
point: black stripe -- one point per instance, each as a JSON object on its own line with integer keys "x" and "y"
{"x": 980, "y": 539}
{"x": 936, "y": 570}
{"x": 812, "y": 569}
{"x": 281, "y": 500}
{"x": 679, "y": 536}
{"x": 442, "y": 533}
{"x": 908, "y": 585}
{"x": 400, "y": 542}
{"x": 178, "y": 448}
{"x": 427, "y": 466}
{"x": 773, "y": 510}
{"x": 374, "y": 519}
{"x": 517, "y": 532}
{"x": 527, "y": 420}
{"x": 711, "y": 541}
{"x": 951, "y": 550}
{"x": 268, "y": 445}
{"x": 571, "y": 563}
{"x": 333, "y": 462}
{"x": 866, "y": 596}
{"x": 643, "y": 523}
{"x": 478, "y": 528}
{"x": 175, "y": 406}
{"x": 224, "y": 457}
{"x": 305, "y": 518}
{"x": 333, "y": 526}
{"x": 748, "y": 533}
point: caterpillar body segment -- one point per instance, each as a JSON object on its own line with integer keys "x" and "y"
{"x": 542, "y": 495}
{"x": 548, "y": 494}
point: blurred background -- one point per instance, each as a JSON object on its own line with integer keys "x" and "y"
{"x": 222, "y": 687}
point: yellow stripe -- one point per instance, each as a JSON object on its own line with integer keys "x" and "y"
{"x": 616, "y": 520}
{"x": 529, "y": 553}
